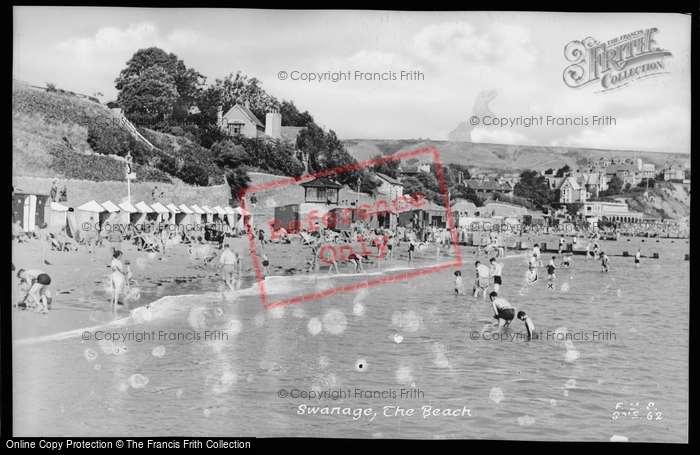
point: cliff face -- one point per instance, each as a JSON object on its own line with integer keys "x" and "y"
{"x": 667, "y": 200}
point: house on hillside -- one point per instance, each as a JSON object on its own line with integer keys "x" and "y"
{"x": 410, "y": 171}
{"x": 570, "y": 191}
{"x": 389, "y": 188}
{"x": 674, "y": 172}
{"x": 240, "y": 120}
{"x": 593, "y": 182}
{"x": 626, "y": 172}
{"x": 486, "y": 185}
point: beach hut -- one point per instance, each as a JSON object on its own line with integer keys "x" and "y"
{"x": 163, "y": 212}
{"x": 242, "y": 217}
{"x": 58, "y": 215}
{"x": 115, "y": 214}
{"x": 185, "y": 217}
{"x": 30, "y": 209}
{"x": 231, "y": 216}
{"x": 219, "y": 215}
{"x": 89, "y": 210}
{"x": 199, "y": 215}
{"x": 148, "y": 213}
{"x": 209, "y": 212}
{"x": 131, "y": 212}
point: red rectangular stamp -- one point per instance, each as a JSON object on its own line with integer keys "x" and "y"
{"x": 333, "y": 230}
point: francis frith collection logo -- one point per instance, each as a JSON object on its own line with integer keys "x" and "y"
{"x": 615, "y": 63}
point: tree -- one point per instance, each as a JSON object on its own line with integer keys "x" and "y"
{"x": 614, "y": 187}
{"x": 389, "y": 168}
{"x": 239, "y": 89}
{"x": 533, "y": 186}
{"x": 291, "y": 115}
{"x": 561, "y": 172}
{"x": 186, "y": 84}
{"x": 149, "y": 98}
{"x": 229, "y": 159}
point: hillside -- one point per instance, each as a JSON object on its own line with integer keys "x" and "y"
{"x": 50, "y": 138}
{"x": 492, "y": 157}
{"x": 667, "y": 200}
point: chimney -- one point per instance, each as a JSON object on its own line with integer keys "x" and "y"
{"x": 273, "y": 124}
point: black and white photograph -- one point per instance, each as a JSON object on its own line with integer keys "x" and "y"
{"x": 352, "y": 224}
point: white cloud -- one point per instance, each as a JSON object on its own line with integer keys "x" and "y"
{"x": 498, "y": 45}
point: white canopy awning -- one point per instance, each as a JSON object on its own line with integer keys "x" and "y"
{"x": 240, "y": 211}
{"x": 208, "y": 209}
{"x": 160, "y": 208}
{"x": 143, "y": 208}
{"x": 172, "y": 208}
{"x": 92, "y": 206}
{"x": 185, "y": 209}
{"x": 197, "y": 209}
{"x": 110, "y": 206}
{"x": 58, "y": 207}
{"x": 219, "y": 210}
{"x": 229, "y": 210}
{"x": 128, "y": 207}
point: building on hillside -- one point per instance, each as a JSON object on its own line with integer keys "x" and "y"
{"x": 593, "y": 182}
{"x": 321, "y": 190}
{"x": 240, "y": 120}
{"x": 410, "y": 171}
{"x": 674, "y": 172}
{"x": 570, "y": 191}
{"x": 626, "y": 172}
{"x": 610, "y": 211}
{"x": 486, "y": 186}
{"x": 389, "y": 188}
{"x": 648, "y": 170}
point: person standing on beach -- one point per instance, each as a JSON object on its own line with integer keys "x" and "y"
{"x": 44, "y": 236}
{"x": 54, "y": 192}
{"x": 596, "y": 250}
{"x": 637, "y": 257}
{"x": 64, "y": 194}
{"x": 91, "y": 237}
{"x": 228, "y": 262}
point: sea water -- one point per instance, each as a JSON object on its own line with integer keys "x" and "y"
{"x": 413, "y": 358}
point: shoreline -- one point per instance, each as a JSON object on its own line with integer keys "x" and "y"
{"x": 80, "y": 299}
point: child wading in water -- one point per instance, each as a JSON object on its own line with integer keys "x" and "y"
{"x": 459, "y": 286}
{"x": 529, "y": 325}
{"x": 550, "y": 269}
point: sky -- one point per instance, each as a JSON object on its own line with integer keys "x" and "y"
{"x": 454, "y": 58}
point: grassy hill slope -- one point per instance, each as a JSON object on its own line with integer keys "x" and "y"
{"x": 501, "y": 156}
